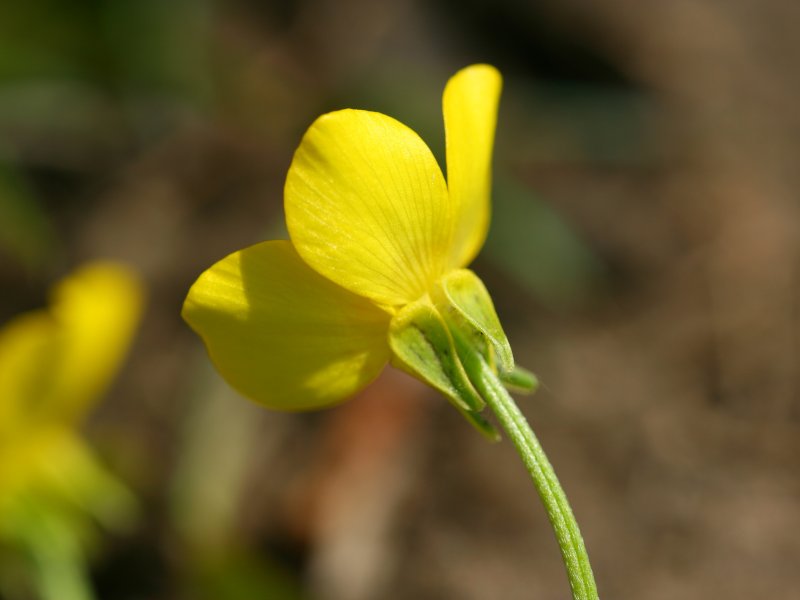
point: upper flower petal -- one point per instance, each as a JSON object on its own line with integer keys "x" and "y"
{"x": 367, "y": 206}
{"x": 282, "y": 334}
{"x": 98, "y": 309}
{"x": 470, "y": 114}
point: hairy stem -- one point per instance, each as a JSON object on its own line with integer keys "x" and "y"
{"x": 568, "y": 535}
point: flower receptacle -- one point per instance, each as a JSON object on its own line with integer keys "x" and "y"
{"x": 442, "y": 340}
{"x": 466, "y": 305}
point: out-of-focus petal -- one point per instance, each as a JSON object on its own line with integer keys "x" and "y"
{"x": 29, "y": 347}
{"x": 282, "y": 334}
{"x": 367, "y": 206}
{"x": 470, "y": 115}
{"x": 97, "y": 309}
{"x": 54, "y": 363}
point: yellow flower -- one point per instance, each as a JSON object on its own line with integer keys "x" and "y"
{"x": 374, "y": 269}
{"x": 54, "y": 365}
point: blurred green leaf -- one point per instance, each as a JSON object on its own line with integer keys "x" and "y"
{"x": 25, "y": 230}
{"x": 48, "y": 38}
{"x": 160, "y": 46}
{"x": 533, "y": 244}
{"x": 584, "y": 123}
{"x": 144, "y": 41}
{"x": 242, "y": 576}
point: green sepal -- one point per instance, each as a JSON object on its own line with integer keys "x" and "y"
{"x": 466, "y": 305}
{"x": 519, "y": 380}
{"x": 484, "y": 427}
{"x": 423, "y": 347}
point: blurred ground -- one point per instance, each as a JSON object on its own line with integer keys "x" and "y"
{"x": 643, "y": 258}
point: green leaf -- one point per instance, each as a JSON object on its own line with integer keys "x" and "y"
{"x": 540, "y": 249}
{"x": 25, "y": 231}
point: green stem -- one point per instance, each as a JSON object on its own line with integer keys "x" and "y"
{"x": 59, "y": 568}
{"x": 573, "y": 550}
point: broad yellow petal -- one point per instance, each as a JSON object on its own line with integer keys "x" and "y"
{"x": 367, "y": 206}
{"x": 470, "y": 115}
{"x": 282, "y": 334}
{"x": 54, "y": 363}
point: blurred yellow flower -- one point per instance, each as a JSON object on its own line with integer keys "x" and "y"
{"x": 374, "y": 269}
{"x": 55, "y": 364}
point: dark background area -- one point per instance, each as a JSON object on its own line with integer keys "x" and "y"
{"x": 643, "y": 258}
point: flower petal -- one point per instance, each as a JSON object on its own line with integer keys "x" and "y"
{"x": 470, "y": 114}
{"x": 55, "y": 363}
{"x": 367, "y": 206}
{"x": 28, "y": 348}
{"x": 282, "y": 334}
{"x": 98, "y": 309}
